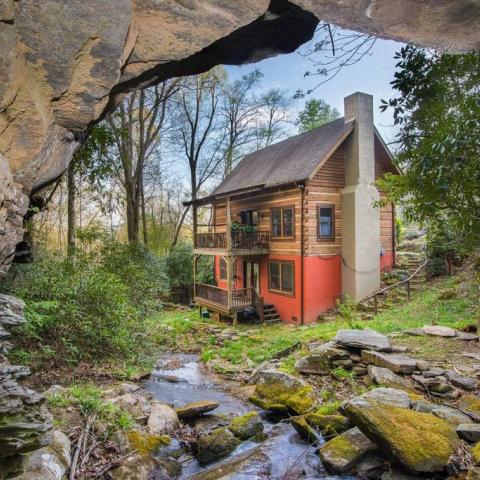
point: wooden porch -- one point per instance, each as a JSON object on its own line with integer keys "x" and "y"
{"x": 228, "y": 302}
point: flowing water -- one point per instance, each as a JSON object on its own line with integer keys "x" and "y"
{"x": 181, "y": 378}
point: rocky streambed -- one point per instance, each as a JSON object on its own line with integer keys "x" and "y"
{"x": 276, "y": 451}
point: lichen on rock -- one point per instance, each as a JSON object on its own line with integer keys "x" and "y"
{"x": 246, "y": 426}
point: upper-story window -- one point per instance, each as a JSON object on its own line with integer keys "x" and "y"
{"x": 249, "y": 217}
{"x": 283, "y": 222}
{"x": 326, "y": 222}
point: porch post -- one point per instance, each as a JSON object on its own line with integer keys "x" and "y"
{"x": 228, "y": 256}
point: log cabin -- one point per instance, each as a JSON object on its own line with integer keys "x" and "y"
{"x": 297, "y": 225}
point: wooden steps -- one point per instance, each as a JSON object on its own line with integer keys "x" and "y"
{"x": 271, "y": 315}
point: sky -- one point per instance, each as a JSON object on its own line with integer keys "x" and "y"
{"x": 372, "y": 75}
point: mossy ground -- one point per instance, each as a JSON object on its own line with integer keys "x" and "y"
{"x": 146, "y": 444}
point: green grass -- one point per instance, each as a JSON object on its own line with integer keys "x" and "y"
{"x": 427, "y": 306}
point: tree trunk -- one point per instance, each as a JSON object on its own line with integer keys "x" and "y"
{"x": 132, "y": 215}
{"x": 71, "y": 208}
{"x": 144, "y": 213}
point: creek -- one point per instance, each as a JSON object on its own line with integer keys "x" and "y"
{"x": 181, "y": 378}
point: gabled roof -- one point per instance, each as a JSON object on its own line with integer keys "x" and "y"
{"x": 289, "y": 161}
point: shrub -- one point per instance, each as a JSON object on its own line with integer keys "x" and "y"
{"x": 444, "y": 249}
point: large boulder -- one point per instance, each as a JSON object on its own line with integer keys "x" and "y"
{"x": 246, "y": 426}
{"x": 195, "y": 409}
{"x": 215, "y": 445}
{"x": 367, "y": 339}
{"x": 48, "y": 463}
{"x": 281, "y": 392}
{"x": 419, "y": 442}
{"x": 162, "y": 419}
{"x": 342, "y": 453}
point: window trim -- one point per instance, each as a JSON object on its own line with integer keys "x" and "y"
{"x": 324, "y": 238}
{"x": 282, "y": 237}
{"x": 282, "y": 292}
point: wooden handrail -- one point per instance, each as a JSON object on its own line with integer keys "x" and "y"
{"x": 406, "y": 281}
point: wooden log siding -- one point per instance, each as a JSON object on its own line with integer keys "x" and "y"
{"x": 325, "y": 188}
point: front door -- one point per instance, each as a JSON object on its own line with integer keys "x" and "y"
{"x": 252, "y": 275}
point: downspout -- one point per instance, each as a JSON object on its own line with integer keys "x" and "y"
{"x": 302, "y": 251}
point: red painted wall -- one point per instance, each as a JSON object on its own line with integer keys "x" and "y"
{"x": 322, "y": 285}
{"x": 386, "y": 262}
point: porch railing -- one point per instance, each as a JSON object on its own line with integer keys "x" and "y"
{"x": 240, "y": 298}
{"x": 241, "y": 240}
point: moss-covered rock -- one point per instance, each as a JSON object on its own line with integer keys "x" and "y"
{"x": 476, "y": 453}
{"x": 420, "y": 442}
{"x": 246, "y": 426}
{"x": 342, "y": 453}
{"x": 217, "y": 444}
{"x": 145, "y": 443}
{"x": 470, "y": 404}
{"x": 281, "y": 392}
{"x": 303, "y": 428}
{"x": 328, "y": 425}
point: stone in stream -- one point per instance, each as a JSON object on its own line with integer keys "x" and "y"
{"x": 162, "y": 419}
{"x": 439, "y": 331}
{"x": 460, "y": 381}
{"x": 246, "y": 426}
{"x": 253, "y": 464}
{"x": 196, "y": 408}
{"x": 363, "y": 339}
{"x": 396, "y": 475}
{"x": 370, "y": 467}
{"x": 387, "y": 378}
{"x": 420, "y": 442}
{"x": 343, "y": 452}
{"x": 217, "y": 444}
{"x": 281, "y": 392}
{"x": 395, "y": 362}
{"x": 469, "y": 431}
{"x": 308, "y": 425}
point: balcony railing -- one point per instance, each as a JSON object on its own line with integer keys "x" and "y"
{"x": 241, "y": 240}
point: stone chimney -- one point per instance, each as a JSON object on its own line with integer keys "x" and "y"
{"x": 360, "y": 218}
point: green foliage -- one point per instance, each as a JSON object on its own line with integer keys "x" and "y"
{"x": 92, "y": 305}
{"x": 347, "y": 309}
{"x": 315, "y": 113}
{"x": 179, "y": 267}
{"x": 438, "y": 112}
{"x": 444, "y": 249}
{"x": 398, "y": 229}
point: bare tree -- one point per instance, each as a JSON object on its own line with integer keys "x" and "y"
{"x": 136, "y": 127}
{"x": 198, "y": 133}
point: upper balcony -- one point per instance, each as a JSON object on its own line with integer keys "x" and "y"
{"x": 242, "y": 242}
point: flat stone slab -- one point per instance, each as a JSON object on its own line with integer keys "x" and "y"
{"x": 468, "y": 337}
{"x": 433, "y": 372}
{"x": 393, "y": 397}
{"x": 363, "y": 339}
{"x": 469, "y": 431}
{"x": 451, "y": 415}
{"x": 196, "y": 408}
{"x": 397, "y": 363}
{"x": 415, "y": 331}
{"x": 438, "y": 331}
{"x": 460, "y": 381}
{"x": 387, "y": 378}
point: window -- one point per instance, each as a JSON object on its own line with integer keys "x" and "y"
{"x": 283, "y": 225}
{"x": 249, "y": 217}
{"x": 281, "y": 276}
{"x": 223, "y": 269}
{"x": 326, "y": 222}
